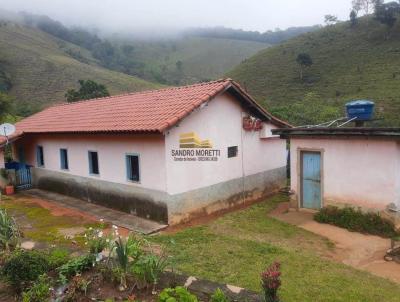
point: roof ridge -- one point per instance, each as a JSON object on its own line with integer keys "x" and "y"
{"x": 142, "y": 92}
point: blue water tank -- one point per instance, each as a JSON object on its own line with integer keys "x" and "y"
{"x": 361, "y": 110}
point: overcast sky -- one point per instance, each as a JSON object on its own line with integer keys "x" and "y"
{"x": 116, "y": 15}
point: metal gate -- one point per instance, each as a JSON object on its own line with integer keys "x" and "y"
{"x": 23, "y": 178}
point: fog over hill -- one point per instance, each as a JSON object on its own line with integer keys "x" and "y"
{"x": 162, "y": 17}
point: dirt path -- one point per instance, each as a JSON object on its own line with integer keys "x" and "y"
{"x": 358, "y": 250}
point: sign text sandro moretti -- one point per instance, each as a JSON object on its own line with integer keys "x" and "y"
{"x": 192, "y": 148}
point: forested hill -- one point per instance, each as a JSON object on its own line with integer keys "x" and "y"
{"x": 37, "y": 68}
{"x": 348, "y": 62}
{"x": 271, "y": 37}
{"x": 186, "y": 56}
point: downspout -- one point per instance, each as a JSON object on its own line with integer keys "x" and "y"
{"x": 242, "y": 158}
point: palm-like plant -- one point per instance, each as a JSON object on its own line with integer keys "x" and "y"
{"x": 127, "y": 252}
{"x": 149, "y": 268}
{"x": 9, "y": 231}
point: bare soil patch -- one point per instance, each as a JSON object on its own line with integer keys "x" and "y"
{"x": 361, "y": 251}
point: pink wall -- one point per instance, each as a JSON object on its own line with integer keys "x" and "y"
{"x": 364, "y": 172}
{"x": 1, "y": 158}
{"x": 221, "y": 122}
{"x": 111, "y": 152}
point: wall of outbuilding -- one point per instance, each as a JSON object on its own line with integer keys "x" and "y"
{"x": 1, "y": 158}
{"x": 358, "y": 171}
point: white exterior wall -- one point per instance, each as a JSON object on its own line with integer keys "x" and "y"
{"x": 362, "y": 172}
{"x": 111, "y": 153}
{"x": 221, "y": 122}
{"x": 263, "y": 154}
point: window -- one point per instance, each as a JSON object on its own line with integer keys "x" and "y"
{"x": 93, "y": 163}
{"x": 64, "y": 159}
{"x": 132, "y": 167}
{"x": 232, "y": 151}
{"x": 39, "y": 156}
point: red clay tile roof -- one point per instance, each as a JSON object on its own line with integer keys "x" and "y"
{"x": 148, "y": 111}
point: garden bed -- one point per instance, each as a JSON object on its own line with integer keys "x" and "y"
{"x": 111, "y": 268}
{"x": 356, "y": 220}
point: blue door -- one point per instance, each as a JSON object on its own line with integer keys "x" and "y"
{"x": 311, "y": 180}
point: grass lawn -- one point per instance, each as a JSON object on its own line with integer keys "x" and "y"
{"x": 238, "y": 246}
{"x": 39, "y": 224}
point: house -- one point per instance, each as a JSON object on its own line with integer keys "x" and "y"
{"x": 166, "y": 155}
{"x": 354, "y": 166}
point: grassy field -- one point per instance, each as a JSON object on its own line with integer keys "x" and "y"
{"x": 348, "y": 63}
{"x": 202, "y": 58}
{"x": 41, "y": 70}
{"x": 40, "y": 224}
{"x": 238, "y": 246}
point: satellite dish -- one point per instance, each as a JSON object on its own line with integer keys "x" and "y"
{"x": 7, "y": 129}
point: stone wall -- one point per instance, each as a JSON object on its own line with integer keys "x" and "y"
{"x": 204, "y": 289}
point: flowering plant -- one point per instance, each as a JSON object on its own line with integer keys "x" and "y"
{"x": 271, "y": 282}
{"x": 95, "y": 240}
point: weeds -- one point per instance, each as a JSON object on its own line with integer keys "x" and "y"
{"x": 24, "y": 267}
{"x": 356, "y": 220}
{"x": 9, "y": 231}
{"x": 40, "y": 290}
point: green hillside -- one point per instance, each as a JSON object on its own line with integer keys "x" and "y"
{"x": 40, "y": 68}
{"x": 201, "y": 58}
{"x": 348, "y": 63}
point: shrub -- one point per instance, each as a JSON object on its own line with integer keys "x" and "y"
{"x": 355, "y": 220}
{"x": 24, "y": 267}
{"x": 95, "y": 240}
{"x": 75, "y": 266}
{"x": 57, "y": 257}
{"x": 219, "y": 296}
{"x": 39, "y": 292}
{"x": 177, "y": 294}
{"x": 77, "y": 286}
{"x": 9, "y": 231}
{"x": 270, "y": 280}
{"x": 149, "y": 267}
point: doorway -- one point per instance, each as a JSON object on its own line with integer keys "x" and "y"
{"x": 311, "y": 189}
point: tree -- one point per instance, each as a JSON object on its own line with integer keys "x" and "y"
{"x": 127, "y": 49}
{"x": 366, "y": 6}
{"x": 386, "y": 13}
{"x": 330, "y": 20}
{"x": 353, "y": 18}
{"x": 89, "y": 90}
{"x": 6, "y": 106}
{"x": 179, "y": 65}
{"x": 304, "y": 60}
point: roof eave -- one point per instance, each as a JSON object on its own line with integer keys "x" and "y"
{"x": 393, "y": 133}
{"x": 259, "y": 108}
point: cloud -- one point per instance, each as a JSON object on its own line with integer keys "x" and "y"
{"x": 133, "y": 15}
